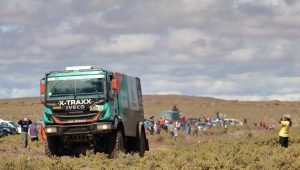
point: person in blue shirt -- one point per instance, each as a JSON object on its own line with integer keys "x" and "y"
{"x": 24, "y": 123}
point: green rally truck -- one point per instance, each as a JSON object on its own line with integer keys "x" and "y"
{"x": 92, "y": 108}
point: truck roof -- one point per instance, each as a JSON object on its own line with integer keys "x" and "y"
{"x": 75, "y": 72}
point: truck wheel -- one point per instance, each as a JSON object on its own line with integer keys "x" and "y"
{"x": 142, "y": 143}
{"x": 51, "y": 146}
{"x": 117, "y": 144}
{"x": 80, "y": 149}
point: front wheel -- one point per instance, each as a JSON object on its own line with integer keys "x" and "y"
{"x": 116, "y": 144}
{"x": 52, "y": 146}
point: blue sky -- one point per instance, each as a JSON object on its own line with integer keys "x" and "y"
{"x": 233, "y": 49}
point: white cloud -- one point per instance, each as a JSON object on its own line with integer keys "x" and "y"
{"x": 241, "y": 55}
{"x": 278, "y": 49}
{"x": 65, "y": 41}
{"x": 183, "y": 38}
{"x": 128, "y": 43}
{"x": 287, "y": 97}
{"x": 168, "y": 93}
{"x": 245, "y": 49}
{"x": 194, "y": 6}
{"x": 16, "y": 93}
{"x": 241, "y": 98}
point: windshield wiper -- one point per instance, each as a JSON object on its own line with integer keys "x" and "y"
{"x": 88, "y": 93}
{"x": 60, "y": 95}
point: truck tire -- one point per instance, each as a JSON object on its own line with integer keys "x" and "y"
{"x": 142, "y": 142}
{"x": 116, "y": 144}
{"x": 51, "y": 146}
{"x": 80, "y": 149}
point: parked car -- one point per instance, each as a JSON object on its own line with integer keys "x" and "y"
{"x": 8, "y": 130}
{"x": 11, "y": 124}
{"x": 3, "y": 132}
{"x": 170, "y": 115}
{"x": 203, "y": 126}
{"x": 235, "y": 122}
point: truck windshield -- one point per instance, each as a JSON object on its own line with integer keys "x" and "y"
{"x": 72, "y": 88}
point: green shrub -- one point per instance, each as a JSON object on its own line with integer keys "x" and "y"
{"x": 249, "y": 150}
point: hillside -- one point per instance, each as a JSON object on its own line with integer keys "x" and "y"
{"x": 189, "y": 106}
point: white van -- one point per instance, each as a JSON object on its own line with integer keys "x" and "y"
{"x": 11, "y": 124}
{"x": 235, "y": 122}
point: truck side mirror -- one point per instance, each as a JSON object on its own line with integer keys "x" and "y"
{"x": 114, "y": 84}
{"x": 42, "y": 90}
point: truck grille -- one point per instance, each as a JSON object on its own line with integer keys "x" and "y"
{"x": 78, "y": 137}
{"x": 71, "y": 118}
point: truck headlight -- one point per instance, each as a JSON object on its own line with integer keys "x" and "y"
{"x": 50, "y": 130}
{"x": 103, "y": 126}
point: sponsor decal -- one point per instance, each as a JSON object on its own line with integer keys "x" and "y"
{"x": 78, "y": 104}
{"x": 96, "y": 108}
{"x": 57, "y": 108}
{"x": 76, "y": 121}
{"x": 51, "y": 104}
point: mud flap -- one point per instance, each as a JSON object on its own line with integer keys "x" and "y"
{"x": 43, "y": 135}
{"x": 147, "y": 145}
{"x": 142, "y": 130}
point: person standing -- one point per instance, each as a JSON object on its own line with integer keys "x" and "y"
{"x": 151, "y": 124}
{"x": 187, "y": 128}
{"x": 177, "y": 125}
{"x": 33, "y": 131}
{"x": 226, "y": 127}
{"x": 195, "y": 129}
{"x": 285, "y": 123}
{"x": 158, "y": 128}
{"x": 24, "y": 123}
{"x": 171, "y": 128}
{"x": 175, "y": 109}
{"x": 175, "y": 134}
{"x": 161, "y": 122}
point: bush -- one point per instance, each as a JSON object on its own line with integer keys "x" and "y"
{"x": 219, "y": 151}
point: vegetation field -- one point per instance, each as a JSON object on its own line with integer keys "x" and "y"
{"x": 214, "y": 149}
{"x": 246, "y": 147}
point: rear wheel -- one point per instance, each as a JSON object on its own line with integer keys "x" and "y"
{"x": 142, "y": 143}
{"x": 139, "y": 143}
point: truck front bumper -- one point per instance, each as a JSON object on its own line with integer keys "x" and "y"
{"x": 94, "y": 128}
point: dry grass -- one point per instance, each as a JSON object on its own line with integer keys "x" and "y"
{"x": 16, "y": 109}
{"x": 208, "y": 151}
